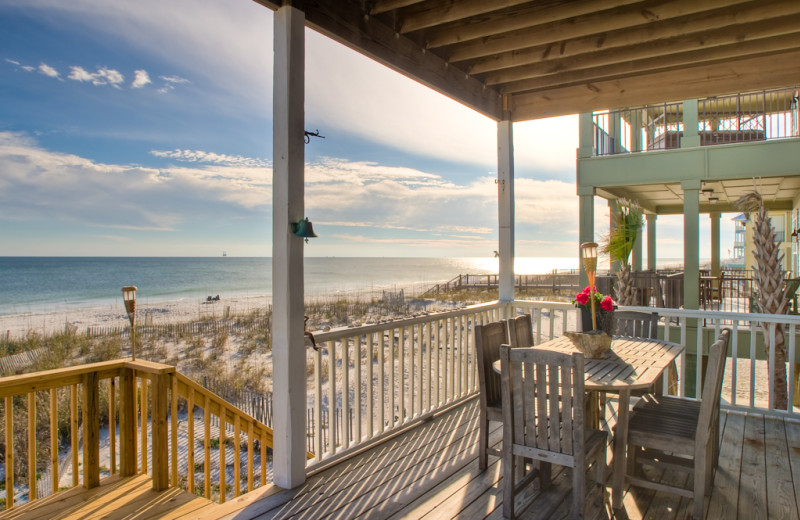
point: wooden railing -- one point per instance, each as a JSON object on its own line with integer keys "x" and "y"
{"x": 381, "y": 378}
{"x": 142, "y": 400}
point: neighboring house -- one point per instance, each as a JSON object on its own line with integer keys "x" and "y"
{"x": 694, "y": 157}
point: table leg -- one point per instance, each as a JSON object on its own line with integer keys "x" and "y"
{"x": 620, "y": 449}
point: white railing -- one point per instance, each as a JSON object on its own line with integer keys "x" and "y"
{"x": 749, "y": 384}
{"x": 369, "y": 382}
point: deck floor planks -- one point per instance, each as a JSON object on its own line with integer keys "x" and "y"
{"x": 781, "y": 502}
{"x": 724, "y": 496}
{"x": 792, "y": 430}
{"x": 458, "y": 490}
{"x": 425, "y": 468}
{"x": 129, "y": 498}
{"x": 431, "y": 472}
{"x": 753, "y": 496}
{"x": 326, "y": 484}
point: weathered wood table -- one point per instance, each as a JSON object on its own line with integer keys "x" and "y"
{"x": 631, "y": 364}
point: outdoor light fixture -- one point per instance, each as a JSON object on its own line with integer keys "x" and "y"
{"x": 589, "y": 257}
{"x": 129, "y": 297}
{"x": 304, "y": 229}
{"x": 713, "y": 200}
{"x": 707, "y": 191}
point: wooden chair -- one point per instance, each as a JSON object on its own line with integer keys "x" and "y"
{"x": 488, "y": 339}
{"x": 634, "y": 324}
{"x": 672, "y": 432}
{"x": 543, "y": 420}
{"x": 520, "y": 331}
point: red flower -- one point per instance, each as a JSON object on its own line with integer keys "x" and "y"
{"x": 582, "y": 298}
{"x": 607, "y": 304}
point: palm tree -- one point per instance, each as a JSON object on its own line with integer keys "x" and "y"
{"x": 619, "y": 244}
{"x": 770, "y": 279}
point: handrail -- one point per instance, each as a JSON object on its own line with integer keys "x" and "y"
{"x": 145, "y": 398}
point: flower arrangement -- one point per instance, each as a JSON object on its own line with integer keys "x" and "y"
{"x": 602, "y": 302}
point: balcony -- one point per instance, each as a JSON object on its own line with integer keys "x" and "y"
{"x": 399, "y": 434}
{"x": 740, "y": 118}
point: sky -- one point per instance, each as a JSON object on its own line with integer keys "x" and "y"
{"x": 134, "y": 129}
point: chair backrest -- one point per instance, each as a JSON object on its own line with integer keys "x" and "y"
{"x": 543, "y": 410}
{"x": 488, "y": 339}
{"x": 634, "y": 324}
{"x": 712, "y": 391}
{"x": 520, "y": 331}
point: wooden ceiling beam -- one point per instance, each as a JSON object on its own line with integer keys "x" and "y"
{"x": 692, "y": 82}
{"x": 572, "y": 54}
{"x": 346, "y": 23}
{"x": 438, "y": 12}
{"x": 595, "y": 29}
{"x": 540, "y": 77}
{"x": 525, "y": 17}
{"x": 382, "y": 6}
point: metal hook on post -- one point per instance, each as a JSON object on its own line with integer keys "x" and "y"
{"x": 308, "y": 135}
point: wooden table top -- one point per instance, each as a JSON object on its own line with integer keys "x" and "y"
{"x": 632, "y": 363}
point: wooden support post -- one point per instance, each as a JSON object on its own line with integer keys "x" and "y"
{"x": 160, "y": 434}
{"x": 288, "y": 350}
{"x": 127, "y": 423}
{"x": 91, "y": 430}
{"x": 54, "y": 439}
{"x": 9, "y": 452}
{"x": 32, "y": 446}
{"x": 112, "y": 423}
{"x": 505, "y": 198}
{"x": 73, "y": 431}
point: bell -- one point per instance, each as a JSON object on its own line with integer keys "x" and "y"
{"x": 303, "y": 229}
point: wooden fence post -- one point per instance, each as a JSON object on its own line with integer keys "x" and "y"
{"x": 127, "y": 424}
{"x": 91, "y": 430}
{"x": 158, "y": 411}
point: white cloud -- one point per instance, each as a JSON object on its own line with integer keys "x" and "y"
{"x": 79, "y": 74}
{"x": 13, "y": 62}
{"x": 28, "y": 68}
{"x": 103, "y": 76}
{"x": 210, "y": 157}
{"x": 47, "y": 70}
{"x": 141, "y": 78}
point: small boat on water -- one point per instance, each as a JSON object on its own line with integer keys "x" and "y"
{"x": 224, "y": 253}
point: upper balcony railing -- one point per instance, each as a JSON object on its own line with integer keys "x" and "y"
{"x": 740, "y": 118}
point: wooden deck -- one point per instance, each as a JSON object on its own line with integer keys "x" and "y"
{"x": 117, "y": 498}
{"x": 432, "y": 472}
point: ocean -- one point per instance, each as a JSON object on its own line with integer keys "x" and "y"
{"x": 37, "y": 284}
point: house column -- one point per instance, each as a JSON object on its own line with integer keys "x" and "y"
{"x": 636, "y": 253}
{"x": 651, "y": 241}
{"x": 715, "y": 256}
{"x": 586, "y": 224}
{"x": 690, "y": 137}
{"x": 288, "y": 350}
{"x": 614, "y": 265}
{"x": 505, "y": 199}
{"x": 691, "y": 243}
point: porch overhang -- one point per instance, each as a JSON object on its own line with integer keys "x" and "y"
{"x": 562, "y": 57}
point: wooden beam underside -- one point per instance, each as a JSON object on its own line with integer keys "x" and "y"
{"x": 556, "y": 57}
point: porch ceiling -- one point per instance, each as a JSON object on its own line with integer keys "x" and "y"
{"x": 667, "y": 198}
{"x": 556, "y": 57}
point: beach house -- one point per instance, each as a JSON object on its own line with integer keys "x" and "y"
{"x": 677, "y": 102}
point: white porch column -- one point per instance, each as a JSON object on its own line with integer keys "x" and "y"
{"x": 288, "y": 343}
{"x": 651, "y": 241}
{"x": 715, "y": 256}
{"x": 614, "y": 265}
{"x": 636, "y": 253}
{"x": 585, "y": 224}
{"x": 505, "y": 204}
{"x": 691, "y": 243}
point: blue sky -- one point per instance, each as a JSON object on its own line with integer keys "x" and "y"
{"x": 144, "y": 128}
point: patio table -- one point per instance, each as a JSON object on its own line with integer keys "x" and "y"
{"x": 631, "y": 364}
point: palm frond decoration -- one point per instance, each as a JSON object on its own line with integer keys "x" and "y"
{"x": 628, "y": 220}
{"x": 618, "y": 244}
